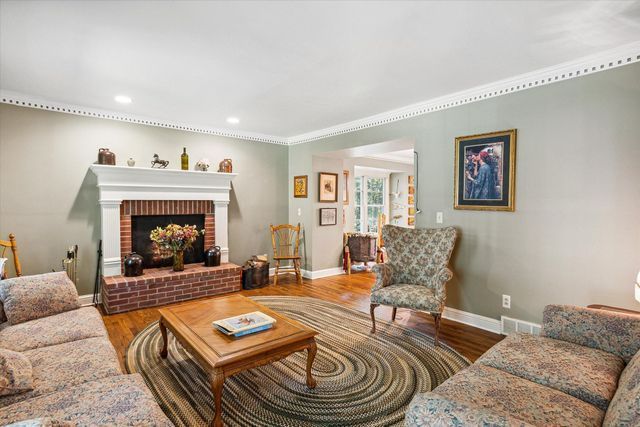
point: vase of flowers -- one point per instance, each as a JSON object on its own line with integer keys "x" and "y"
{"x": 176, "y": 239}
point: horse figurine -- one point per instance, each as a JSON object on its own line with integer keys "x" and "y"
{"x": 156, "y": 161}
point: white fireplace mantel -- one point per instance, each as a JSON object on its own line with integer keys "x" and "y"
{"x": 118, "y": 183}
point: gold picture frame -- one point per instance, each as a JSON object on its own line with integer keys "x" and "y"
{"x": 485, "y": 171}
{"x": 327, "y": 187}
{"x": 345, "y": 188}
{"x": 300, "y": 186}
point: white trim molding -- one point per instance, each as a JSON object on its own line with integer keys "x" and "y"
{"x": 624, "y": 55}
{"x": 119, "y": 183}
{"x": 86, "y": 300}
{"x": 318, "y": 274}
{"x": 25, "y": 100}
{"x": 471, "y": 319}
{"x": 607, "y": 60}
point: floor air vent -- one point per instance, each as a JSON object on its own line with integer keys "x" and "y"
{"x": 510, "y": 325}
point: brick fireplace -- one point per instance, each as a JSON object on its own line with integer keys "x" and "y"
{"x": 138, "y": 208}
{"x": 126, "y": 194}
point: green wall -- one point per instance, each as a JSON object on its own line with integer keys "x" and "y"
{"x": 575, "y": 235}
{"x": 49, "y": 199}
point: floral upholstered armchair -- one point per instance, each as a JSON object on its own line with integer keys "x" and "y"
{"x": 416, "y": 271}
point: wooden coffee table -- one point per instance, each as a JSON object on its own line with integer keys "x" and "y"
{"x": 222, "y": 356}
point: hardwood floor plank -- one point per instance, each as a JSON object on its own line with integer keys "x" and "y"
{"x": 349, "y": 291}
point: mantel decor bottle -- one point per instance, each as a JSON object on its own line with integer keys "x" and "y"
{"x": 106, "y": 157}
{"x": 184, "y": 160}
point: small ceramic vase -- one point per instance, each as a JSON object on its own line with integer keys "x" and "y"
{"x": 131, "y": 162}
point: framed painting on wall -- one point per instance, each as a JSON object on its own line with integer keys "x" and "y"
{"x": 345, "y": 188}
{"x": 300, "y": 186}
{"x": 327, "y": 187}
{"x": 328, "y": 216}
{"x": 485, "y": 171}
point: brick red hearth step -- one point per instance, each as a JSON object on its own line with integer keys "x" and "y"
{"x": 160, "y": 286}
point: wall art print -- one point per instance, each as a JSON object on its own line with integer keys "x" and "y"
{"x": 485, "y": 171}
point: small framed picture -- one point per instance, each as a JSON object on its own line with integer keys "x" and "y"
{"x": 327, "y": 187}
{"x": 345, "y": 188}
{"x": 485, "y": 171}
{"x": 328, "y": 216}
{"x": 300, "y": 186}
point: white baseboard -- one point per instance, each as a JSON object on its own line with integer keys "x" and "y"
{"x": 471, "y": 319}
{"x": 88, "y": 299}
{"x": 318, "y": 274}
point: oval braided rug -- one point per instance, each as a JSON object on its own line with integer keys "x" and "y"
{"x": 363, "y": 379}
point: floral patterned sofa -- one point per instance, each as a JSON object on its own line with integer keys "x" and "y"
{"x": 584, "y": 370}
{"x": 69, "y": 372}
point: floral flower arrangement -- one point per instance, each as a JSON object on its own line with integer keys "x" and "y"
{"x": 175, "y": 239}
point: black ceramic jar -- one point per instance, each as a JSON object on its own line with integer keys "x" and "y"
{"x": 133, "y": 265}
{"x": 212, "y": 256}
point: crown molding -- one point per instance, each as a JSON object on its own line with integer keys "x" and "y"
{"x": 623, "y": 55}
{"x": 23, "y": 100}
{"x": 607, "y": 60}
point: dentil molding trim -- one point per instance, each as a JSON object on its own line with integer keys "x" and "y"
{"x": 607, "y": 60}
{"x": 24, "y": 100}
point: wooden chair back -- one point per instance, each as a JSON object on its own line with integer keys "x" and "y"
{"x": 11, "y": 244}
{"x": 285, "y": 239}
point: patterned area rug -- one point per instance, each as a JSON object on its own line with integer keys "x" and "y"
{"x": 363, "y": 379}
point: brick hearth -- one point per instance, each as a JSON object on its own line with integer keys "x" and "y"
{"x": 160, "y": 286}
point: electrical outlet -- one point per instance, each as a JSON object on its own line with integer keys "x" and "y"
{"x": 299, "y": 212}
{"x": 439, "y": 217}
{"x": 506, "y": 301}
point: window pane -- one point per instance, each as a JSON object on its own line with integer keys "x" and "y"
{"x": 373, "y": 212}
{"x": 358, "y": 221}
{"x": 358, "y": 190}
{"x": 375, "y": 191}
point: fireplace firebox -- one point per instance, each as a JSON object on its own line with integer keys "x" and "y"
{"x": 153, "y": 257}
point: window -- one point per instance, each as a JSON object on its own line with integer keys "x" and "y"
{"x": 370, "y": 202}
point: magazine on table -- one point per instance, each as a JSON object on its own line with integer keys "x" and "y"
{"x": 244, "y": 323}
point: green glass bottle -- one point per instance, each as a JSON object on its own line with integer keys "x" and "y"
{"x": 184, "y": 159}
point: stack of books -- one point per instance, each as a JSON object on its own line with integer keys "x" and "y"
{"x": 244, "y": 324}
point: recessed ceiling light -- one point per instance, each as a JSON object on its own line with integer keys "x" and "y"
{"x": 233, "y": 120}
{"x": 122, "y": 99}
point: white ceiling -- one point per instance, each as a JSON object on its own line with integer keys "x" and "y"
{"x": 401, "y": 156}
{"x": 286, "y": 68}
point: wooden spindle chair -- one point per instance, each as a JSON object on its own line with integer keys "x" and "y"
{"x": 286, "y": 247}
{"x": 11, "y": 244}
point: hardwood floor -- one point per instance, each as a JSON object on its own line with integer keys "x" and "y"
{"x": 349, "y": 291}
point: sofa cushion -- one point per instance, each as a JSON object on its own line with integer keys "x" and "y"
{"x": 32, "y": 297}
{"x": 69, "y": 326}
{"x": 508, "y": 395}
{"x": 583, "y": 372}
{"x": 123, "y": 400}
{"x": 616, "y": 333}
{"x": 65, "y": 365}
{"x": 432, "y": 409}
{"x": 16, "y": 374}
{"x": 624, "y": 409}
{"x": 416, "y": 297}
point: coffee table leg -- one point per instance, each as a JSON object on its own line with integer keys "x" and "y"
{"x": 217, "y": 382}
{"x": 163, "y": 331}
{"x": 311, "y": 355}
